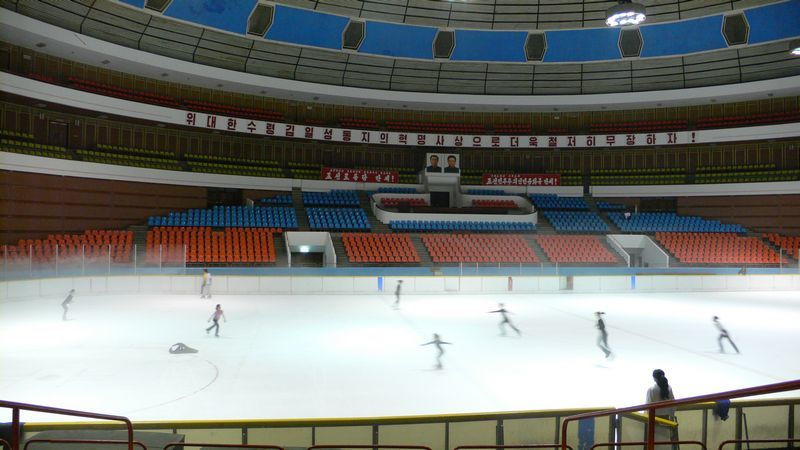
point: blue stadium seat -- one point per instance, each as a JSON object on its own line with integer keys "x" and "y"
{"x": 331, "y": 198}
{"x": 229, "y": 216}
{"x": 337, "y": 219}
{"x": 449, "y": 225}
{"x": 670, "y": 221}
{"x": 576, "y": 221}
{"x": 552, "y": 201}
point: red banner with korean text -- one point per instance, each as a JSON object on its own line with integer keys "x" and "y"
{"x": 359, "y": 175}
{"x": 521, "y": 179}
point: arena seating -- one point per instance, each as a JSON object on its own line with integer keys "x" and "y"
{"x": 576, "y": 221}
{"x": 396, "y": 190}
{"x": 669, "y": 221}
{"x": 235, "y": 111}
{"x": 202, "y": 245}
{"x": 337, "y": 219}
{"x": 487, "y": 192}
{"x": 229, "y": 216}
{"x": 717, "y": 248}
{"x": 450, "y": 225}
{"x": 148, "y": 162}
{"x": 606, "y": 206}
{"x": 32, "y": 148}
{"x": 401, "y": 201}
{"x": 242, "y": 169}
{"x": 513, "y": 129}
{"x": 431, "y": 127}
{"x": 277, "y": 200}
{"x": 91, "y": 244}
{"x": 479, "y": 248}
{"x": 488, "y": 203}
{"x": 367, "y": 124}
{"x": 303, "y": 171}
{"x": 331, "y": 198}
{"x": 576, "y": 249}
{"x": 553, "y": 201}
{"x": 789, "y": 244}
{"x": 119, "y": 92}
{"x": 748, "y": 120}
{"x": 379, "y": 248}
{"x": 638, "y": 126}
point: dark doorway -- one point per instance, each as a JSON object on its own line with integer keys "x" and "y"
{"x": 224, "y": 196}
{"x": 440, "y": 199}
{"x": 58, "y": 134}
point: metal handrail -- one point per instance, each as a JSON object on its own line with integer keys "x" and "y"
{"x": 4, "y": 444}
{"x": 80, "y": 441}
{"x": 192, "y": 444}
{"x": 622, "y": 444}
{"x": 16, "y": 426}
{"x": 755, "y": 441}
{"x": 375, "y": 446}
{"x": 652, "y": 407}
{"x": 502, "y": 447}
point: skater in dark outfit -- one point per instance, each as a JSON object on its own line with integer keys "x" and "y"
{"x": 506, "y": 321}
{"x": 396, "y": 304}
{"x": 215, "y": 317}
{"x": 602, "y": 338}
{"x": 723, "y": 334}
{"x": 65, "y": 304}
{"x": 438, "y": 342}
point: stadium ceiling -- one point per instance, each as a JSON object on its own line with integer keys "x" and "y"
{"x": 150, "y": 32}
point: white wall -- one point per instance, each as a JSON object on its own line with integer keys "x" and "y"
{"x": 187, "y": 284}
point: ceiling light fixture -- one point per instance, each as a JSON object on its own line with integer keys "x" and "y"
{"x": 625, "y": 13}
{"x": 794, "y": 47}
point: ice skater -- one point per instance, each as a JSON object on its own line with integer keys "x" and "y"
{"x": 65, "y": 304}
{"x": 438, "y": 342}
{"x": 218, "y": 312}
{"x": 205, "y": 288}
{"x": 723, "y": 334}
{"x": 396, "y": 304}
{"x": 506, "y": 321}
{"x": 602, "y": 338}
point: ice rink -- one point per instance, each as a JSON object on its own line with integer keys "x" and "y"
{"x": 305, "y": 356}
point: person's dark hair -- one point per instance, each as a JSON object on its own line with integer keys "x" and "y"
{"x": 662, "y": 383}
{"x": 434, "y": 156}
{"x": 451, "y": 156}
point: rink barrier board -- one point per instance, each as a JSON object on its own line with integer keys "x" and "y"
{"x": 231, "y": 284}
{"x": 765, "y": 418}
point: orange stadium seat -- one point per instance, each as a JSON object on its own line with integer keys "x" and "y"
{"x": 379, "y": 248}
{"x": 717, "y": 248}
{"x": 576, "y": 249}
{"x": 479, "y": 248}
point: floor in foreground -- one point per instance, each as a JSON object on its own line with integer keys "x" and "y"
{"x": 354, "y": 355}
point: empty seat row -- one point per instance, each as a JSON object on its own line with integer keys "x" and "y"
{"x": 576, "y": 221}
{"x": 479, "y": 248}
{"x": 380, "y": 248}
{"x": 229, "y": 216}
{"x": 717, "y": 248}
{"x": 277, "y": 200}
{"x": 331, "y": 198}
{"x": 553, "y": 201}
{"x": 337, "y": 219}
{"x": 670, "y": 221}
{"x": 451, "y": 225}
{"x": 789, "y": 244}
{"x": 398, "y": 201}
{"x": 486, "y": 192}
{"x": 488, "y": 203}
{"x": 576, "y": 249}
{"x": 202, "y": 245}
{"x": 435, "y": 127}
{"x": 92, "y": 244}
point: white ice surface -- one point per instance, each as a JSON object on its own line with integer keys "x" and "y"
{"x": 353, "y": 355}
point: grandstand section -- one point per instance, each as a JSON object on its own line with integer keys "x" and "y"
{"x": 576, "y": 249}
{"x": 718, "y": 248}
{"x": 201, "y": 245}
{"x": 379, "y": 248}
{"x": 474, "y": 248}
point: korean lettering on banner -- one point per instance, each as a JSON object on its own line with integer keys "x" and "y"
{"x": 522, "y": 179}
{"x": 358, "y": 175}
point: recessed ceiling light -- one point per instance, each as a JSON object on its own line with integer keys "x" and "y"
{"x": 165, "y": 74}
{"x": 364, "y": 103}
{"x": 40, "y": 105}
{"x": 105, "y": 61}
{"x": 160, "y": 125}
{"x": 263, "y": 92}
{"x": 219, "y": 85}
{"x": 316, "y": 98}
{"x": 41, "y": 44}
{"x": 625, "y": 13}
{"x": 794, "y": 47}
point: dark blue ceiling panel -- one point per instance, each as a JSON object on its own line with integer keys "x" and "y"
{"x": 400, "y": 41}
{"x": 136, "y": 3}
{"x": 475, "y": 45}
{"x": 773, "y": 22}
{"x": 228, "y": 15}
{"x": 594, "y": 44}
{"x": 305, "y": 27}
{"x": 680, "y": 38}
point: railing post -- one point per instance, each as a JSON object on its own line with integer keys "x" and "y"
{"x": 135, "y": 269}
{"x": 160, "y": 255}
{"x": 109, "y": 260}
{"x": 56, "y": 259}
{"x": 651, "y": 428}
{"x": 83, "y": 259}
{"x": 15, "y": 429}
{"x": 30, "y": 261}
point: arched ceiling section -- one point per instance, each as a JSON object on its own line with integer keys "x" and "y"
{"x": 136, "y": 28}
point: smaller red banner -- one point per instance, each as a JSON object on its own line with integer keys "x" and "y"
{"x": 359, "y": 175}
{"x": 521, "y": 179}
